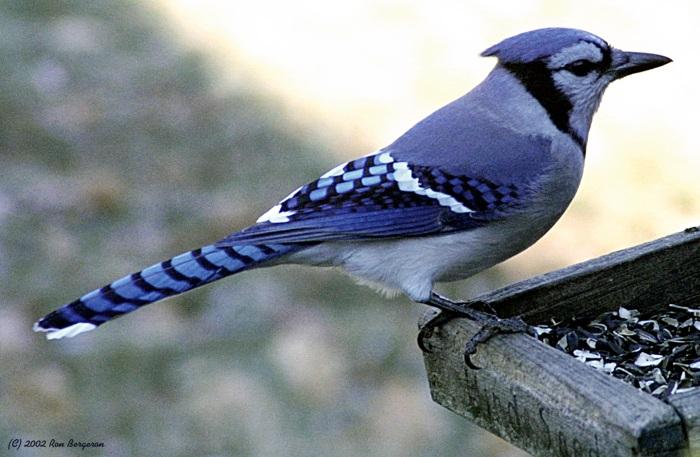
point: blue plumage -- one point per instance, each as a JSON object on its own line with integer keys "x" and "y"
{"x": 171, "y": 277}
{"x": 369, "y": 202}
{"x": 537, "y": 44}
{"x": 461, "y": 141}
{"x": 471, "y": 185}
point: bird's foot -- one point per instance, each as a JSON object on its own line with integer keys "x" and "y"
{"x": 491, "y": 325}
{"x": 479, "y": 312}
{"x": 428, "y": 329}
{"x": 458, "y": 309}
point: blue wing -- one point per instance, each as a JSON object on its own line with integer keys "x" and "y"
{"x": 379, "y": 197}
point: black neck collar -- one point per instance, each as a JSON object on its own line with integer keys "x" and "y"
{"x": 537, "y": 79}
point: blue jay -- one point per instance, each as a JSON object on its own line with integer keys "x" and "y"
{"x": 471, "y": 185}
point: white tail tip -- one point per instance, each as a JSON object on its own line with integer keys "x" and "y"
{"x": 68, "y": 332}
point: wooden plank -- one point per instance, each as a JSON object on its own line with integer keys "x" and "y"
{"x": 546, "y": 402}
{"x": 663, "y": 271}
{"x": 687, "y": 405}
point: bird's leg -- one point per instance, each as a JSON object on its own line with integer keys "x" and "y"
{"x": 491, "y": 324}
{"x": 448, "y": 310}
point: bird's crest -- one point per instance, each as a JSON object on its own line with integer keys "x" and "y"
{"x": 536, "y": 44}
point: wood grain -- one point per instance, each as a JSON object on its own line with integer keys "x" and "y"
{"x": 545, "y": 401}
{"x": 687, "y": 405}
{"x": 644, "y": 277}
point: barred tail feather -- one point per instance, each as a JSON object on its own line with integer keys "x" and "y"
{"x": 165, "y": 279}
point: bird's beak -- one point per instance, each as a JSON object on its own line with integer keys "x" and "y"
{"x": 626, "y": 63}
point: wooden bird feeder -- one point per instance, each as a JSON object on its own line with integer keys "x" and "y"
{"x": 550, "y": 404}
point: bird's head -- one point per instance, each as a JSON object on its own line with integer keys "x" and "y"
{"x": 567, "y": 71}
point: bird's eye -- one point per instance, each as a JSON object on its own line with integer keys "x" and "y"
{"x": 580, "y": 67}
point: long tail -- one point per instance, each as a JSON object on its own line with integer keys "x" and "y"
{"x": 165, "y": 279}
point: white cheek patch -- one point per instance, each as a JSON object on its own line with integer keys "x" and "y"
{"x": 579, "y": 51}
{"x": 584, "y": 93}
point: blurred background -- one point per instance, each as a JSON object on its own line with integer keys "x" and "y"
{"x": 133, "y": 130}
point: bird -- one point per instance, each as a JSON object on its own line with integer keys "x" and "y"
{"x": 471, "y": 185}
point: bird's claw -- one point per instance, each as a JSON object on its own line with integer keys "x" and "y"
{"x": 492, "y": 326}
{"x": 479, "y": 312}
{"x": 425, "y": 332}
{"x": 428, "y": 329}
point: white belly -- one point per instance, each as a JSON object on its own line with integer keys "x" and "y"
{"x": 413, "y": 265}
